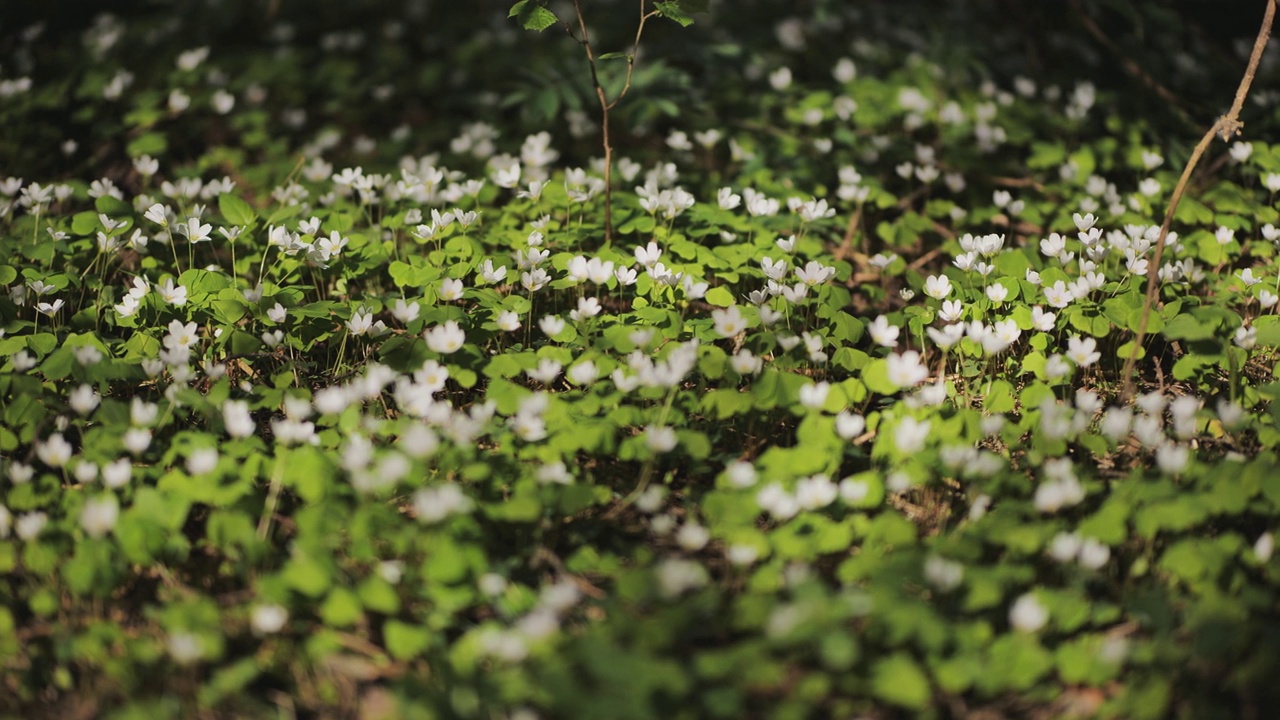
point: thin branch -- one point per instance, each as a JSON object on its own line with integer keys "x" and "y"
{"x": 1226, "y": 127}
{"x": 631, "y": 57}
{"x": 605, "y": 104}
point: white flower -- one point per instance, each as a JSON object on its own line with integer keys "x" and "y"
{"x": 55, "y": 451}
{"x": 1058, "y": 295}
{"x": 1230, "y": 413}
{"x": 816, "y": 491}
{"x": 951, "y": 311}
{"x": 185, "y": 648}
{"x": 508, "y": 320}
{"x": 1264, "y": 546}
{"x": 937, "y": 286}
{"x": 905, "y": 370}
{"x": 1240, "y": 151}
{"x": 360, "y": 322}
{"x": 660, "y": 439}
{"x": 727, "y": 199}
{"x": 20, "y": 473}
{"x": 854, "y": 492}
{"x": 1083, "y": 351}
{"x": 117, "y": 474}
{"x": 1246, "y": 337}
{"x": 446, "y": 339}
{"x": 492, "y": 275}
{"x": 814, "y": 396}
{"x": 943, "y": 574}
{"x": 1041, "y": 320}
{"x": 1172, "y": 458}
{"x": 740, "y": 474}
{"x": 883, "y": 333}
{"x": 849, "y": 425}
{"x": 175, "y": 295}
{"x": 157, "y": 214}
{"x": 728, "y": 322}
{"x": 546, "y": 371}
{"x": 85, "y": 472}
{"x": 584, "y": 373}
{"x": 844, "y": 71}
{"x": 910, "y": 435}
{"x": 551, "y": 325}
{"x": 1027, "y": 614}
{"x": 236, "y": 417}
{"x": 1093, "y": 554}
{"x": 268, "y": 619}
{"x": 776, "y": 501}
{"x": 815, "y": 273}
{"x": 202, "y": 461}
{"x": 625, "y": 276}
{"x": 223, "y": 102}
{"x": 588, "y": 307}
{"x": 1065, "y": 546}
{"x": 450, "y": 289}
{"x": 418, "y": 441}
{"x": 742, "y": 555}
{"x": 277, "y": 313}
{"x": 195, "y": 230}
{"x": 774, "y": 270}
{"x": 83, "y": 400}
{"x": 677, "y": 576}
{"x": 98, "y": 516}
{"x": 692, "y": 537}
{"x": 405, "y": 311}
{"x": 431, "y": 505}
{"x": 948, "y": 336}
{"x": 29, "y": 525}
{"x": 780, "y": 79}
{"x": 997, "y": 293}
{"x": 648, "y": 256}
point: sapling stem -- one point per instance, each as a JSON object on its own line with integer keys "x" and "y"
{"x": 1226, "y": 126}
{"x": 273, "y": 498}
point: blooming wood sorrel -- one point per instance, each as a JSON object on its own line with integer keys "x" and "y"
{"x": 334, "y": 367}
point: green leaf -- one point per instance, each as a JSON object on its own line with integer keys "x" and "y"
{"x": 341, "y": 608}
{"x": 672, "y": 11}
{"x": 235, "y": 210}
{"x": 405, "y": 641}
{"x": 898, "y": 680}
{"x": 876, "y": 377}
{"x": 533, "y": 16}
{"x": 720, "y": 296}
{"x": 1185, "y": 327}
{"x": 1016, "y": 662}
{"x": 1268, "y": 334}
{"x": 152, "y": 143}
{"x": 307, "y": 576}
{"x": 999, "y": 397}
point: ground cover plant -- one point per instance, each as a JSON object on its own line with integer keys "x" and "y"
{"x": 337, "y": 381}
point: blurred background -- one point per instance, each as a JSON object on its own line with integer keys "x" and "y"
{"x": 407, "y": 73}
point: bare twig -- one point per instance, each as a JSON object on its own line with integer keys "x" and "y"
{"x": 1226, "y": 127}
{"x": 606, "y": 104}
